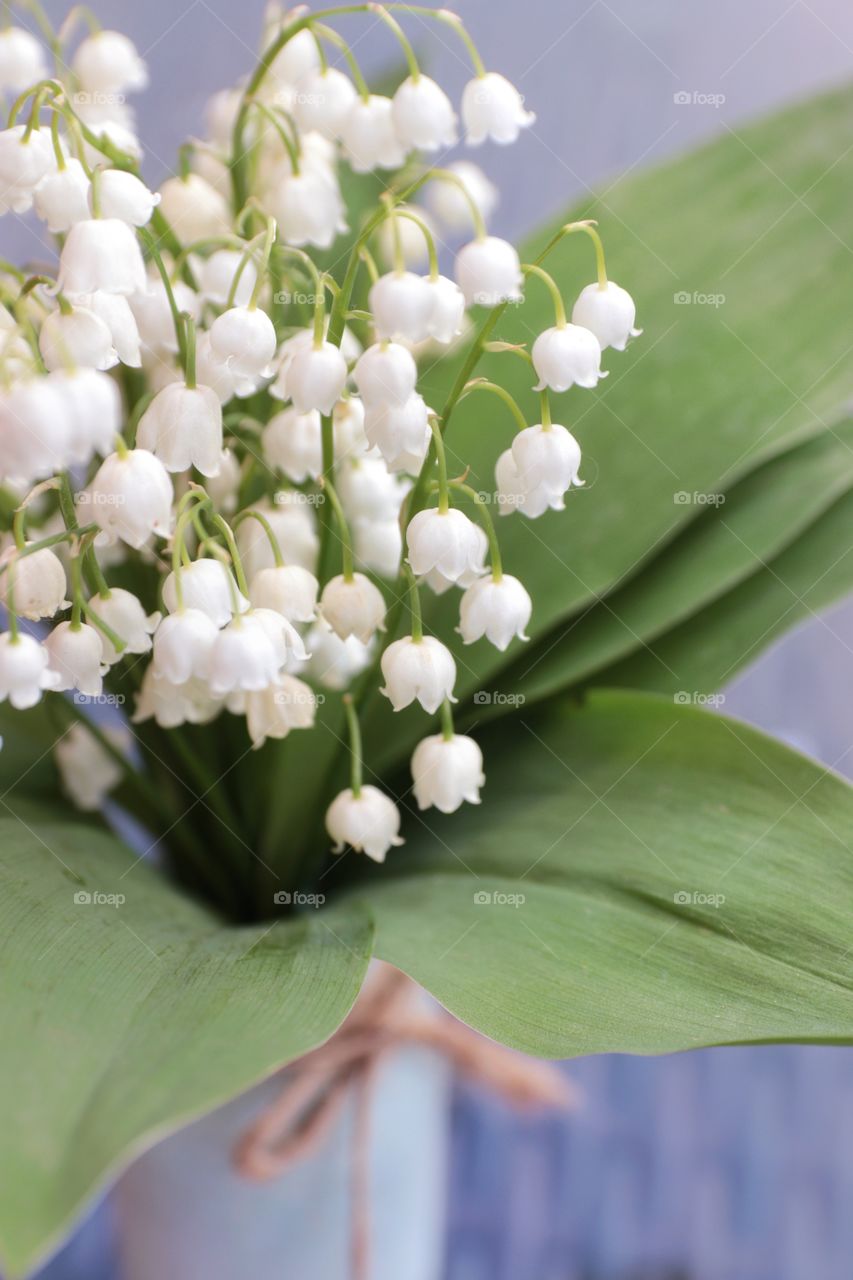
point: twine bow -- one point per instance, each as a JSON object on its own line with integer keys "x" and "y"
{"x": 389, "y": 1014}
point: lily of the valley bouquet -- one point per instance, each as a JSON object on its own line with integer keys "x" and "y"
{"x": 291, "y": 464}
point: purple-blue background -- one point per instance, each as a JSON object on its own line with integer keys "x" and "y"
{"x": 719, "y": 1165}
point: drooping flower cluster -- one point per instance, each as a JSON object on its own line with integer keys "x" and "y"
{"x": 189, "y": 394}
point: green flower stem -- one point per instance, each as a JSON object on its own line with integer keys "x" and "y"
{"x": 441, "y": 456}
{"x": 483, "y": 384}
{"x": 97, "y": 621}
{"x": 335, "y": 38}
{"x": 545, "y": 408}
{"x": 289, "y": 142}
{"x": 154, "y": 252}
{"x": 531, "y": 269}
{"x": 32, "y": 92}
{"x": 446, "y": 175}
{"x": 411, "y": 216}
{"x": 354, "y": 732}
{"x": 343, "y": 527}
{"x": 275, "y": 546}
{"x": 408, "y": 52}
{"x": 487, "y": 523}
{"x": 77, "y": 601}
{"x": 225, "y": 529}
{"x": 588, "y": 226}
{"x": 319, "y": 291}
{"x": 189, "y": 350}
{"x": 10, "y": 602}
{"x": 414, "y": 604}
{"x": 447, "y": 721}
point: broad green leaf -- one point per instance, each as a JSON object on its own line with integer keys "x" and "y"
{"x": 621, "y": 823}
{"x": 123, "y": 1022}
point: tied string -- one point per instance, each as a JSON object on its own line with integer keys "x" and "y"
{"x": 389, "y": 1014}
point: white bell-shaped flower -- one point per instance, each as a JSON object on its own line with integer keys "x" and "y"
{"x": 183, "y": 644}
{"x": 323, "y": 101}
{"x": 385, "y": 373}
{"x": 348, "y": 429}
{"x": 116, "y": 313}
{"x": 153, "y": 315}
{"x": 422, "y": 670}
{"x": 35, "y": 430}
{"x": 88, "y": 773}
{"x": 497, "y": 608}
{"x": 108, "y": 62}
{"x": 446, "y": 772}
{"x": 353, "y": 607}
{"x": 122, "y": 195}
{"x": 369, "y": 491}
{"x": 131, "y": 497}
{"x": 171, "y": 705}
{"x": 511, "y": 494}
{"x": 218, "y": 374}
{"x": 245, "y": 337}
{"x": 297, "y": 58}
{"x": 182, "y": 426}
{"x": 447, "y": 310}
{"x": 245, "y": 657}
{"x": 24, "y": 670}
{"x": 414, "y": 248}
{"x": 439, "y": 583}
{"x": 309, "y": 208}
{"x": 92, "y": 402}
{"x": 334, "y": 663}
{"x": 35, "y": 583}
{"x": 378, "y": 546}
{"x": 317, "y": 377}
{"x": 194, "y": 209}
{"x": 76, "y": 338}
{"x": 443, "y": 540}
{"x": 292, "y": 443}
{"x": 401, "y": 433}
{"x": 101, "y": 253}
{"x": 292, "y": 521}
{"x": 287, "y": 704}
{"x": 567, "y": 356}
{"x": 423, "y": 115}
{"x": 62, "y": 197}
{"x": 368, "y": 822}
{"x": 22, "y": 60}
{"x": 402, "y": 305}
{"x": 122, "y": 611}
{"x": 216, "y": 278}
{"x": 548, "y": 460}
{"x": 287, "y": 589}
{"x": 449, "y": 204}
{"x": 493, "y": 108}
{"x": 208, "y": 586}
{"x": 488, "y": 272}
{"x": 609, "y": 313}
{"x": 224, "y": 488}
{"x": 369, "y": 138}
{"x": 299, "y": 341}
{"x": 76, "y": 654}
{"x": 24, "y": 161}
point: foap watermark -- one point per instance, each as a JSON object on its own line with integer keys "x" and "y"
{"x": 286, "y": 297}
{"x": 684, "y": 499}
{"x": 698, "y": 98}
{"x": 284, "y": 898}
{"x": 293, "y": 498}
{"x": 99, "y": 699}
{"x": 99, "y": 498}
{"x": 94, "y": 898}
{"x": 696, "y": 298}
{"x": 697, "y": 898}
{"x": 488, "y": 898}
{"x": 299, "y": 697}
{"x": 484, "y": 698}
{"x": 98, "y": 98}
{"x": 686, "y": 698}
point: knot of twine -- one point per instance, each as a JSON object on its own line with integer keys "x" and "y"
{"x": 389, "y": 1014}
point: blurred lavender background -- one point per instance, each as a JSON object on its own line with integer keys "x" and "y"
{"x": 717, "y": 1165}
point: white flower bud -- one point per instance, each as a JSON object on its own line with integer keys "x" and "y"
{"x": 122, "y": 611}
{"x": 35, "y": 430}
{"x": 566, "y": 356}
{"x": 446, "y": 772}
{"x": 378, "y": 545}
{"x": 511, "y": 493}
{"x": 216, "y": 278}
{"x": 245, "y": 337}
{"x": 438, "y": 583}
{"x": 171, "y": 705}
{"x": 87, "y": 771}
{"x": 92, "y": 402}
{"x": 122, "y": 195}
{"x": 131, "y": 497}
{"x": 368, "y": 822}
{"x": 194, "y": 209}
{"x": 292, "y": 443}
{"x": 385, "y": 373}
{"x": 153, "y": 314}
{"x": 101, "y": 253}
{"x": 449, "y": 204}
{"x": 245, "y": 656}
{"x": 353, "y": 607}
{"x": 107, "y": 62}
{"x": 37, "y": 583}
{"x": 488, "y": 272}
{"x": 418, "y": 669}
{"x": 493, "y": 108}
{"x": 423, "y": 115}
{"x": 497, "y": 609}
{"x": 297, "y": 342}
{"x": 78, "y": 338}
{"x": 548, "y": 460}
{"x": 335, "y": 662}
{"x": 609, "y": 313}
{"x": 223, "y": 489}
{"x": 24, "y": 671}
{"x": 24, "y": 162}
{"x": 182, "y": 426}
{"x": 402, "y": 306}
{"x": 223, "y": 380}
{"x": 323, "y": 101}
{"x": 76, "y": 655}
{"x": 115, "y": 311}
{"x": 369, "y": 491}
{"x": 447, "y": 311}
{"x": 208, "y": 586}
{"x": 296, "y": 59}
{"x": 292, "y": 522}
{"x": 443, "y": 540}
{"x": 348, "y": 429}
{"x": 272, "y": 712}
{"x": 22, "y": 60}
{"x": 316, "y": 378}
{"x": 401, "y": 433}
{"x": 369, "y": 138}
{"x": 309, "y": 208}
{"x": 286, "y": 589}
{"x": 62, "y": 197}
{"x": 183, "y": 644}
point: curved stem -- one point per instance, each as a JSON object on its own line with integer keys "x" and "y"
{"x": 343, "y": 526}
{"x": 441, "y": 456}
{"x": 354, "y": 731}
{"x": 447, "y": 721}
{"x": 189, "y": 350}
{"x": 532, "y": 269}
{"x": 414, "y": 604}
{"x": 151, "y": 245}
{"x": 251, "y": 514}
{"x": 483, "y": 384}
{"x": 487, "y": 523}
{"x": 405, "y": 44}
{"x": 589, "y": 227}
{"x": 225, "y": 529}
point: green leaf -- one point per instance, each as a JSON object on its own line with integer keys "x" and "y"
{"x": 604, "y": 818}
{"x": 123, "y": 1022}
